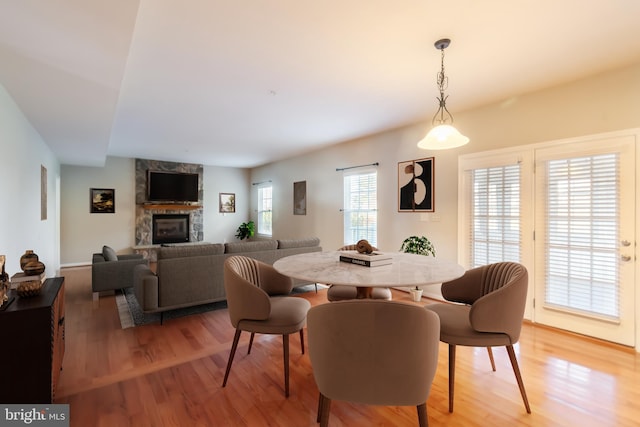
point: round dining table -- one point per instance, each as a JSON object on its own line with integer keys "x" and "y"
{"x": 405, "y": 270}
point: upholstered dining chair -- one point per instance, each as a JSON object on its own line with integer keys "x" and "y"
{"x": 368, "y": 351}
{"x": 493, "y": 299}
{"x": 341, "y": 292}
{"x": 257, "y": 304}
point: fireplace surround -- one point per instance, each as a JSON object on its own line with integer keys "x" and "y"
{"x": 170, "y": 228}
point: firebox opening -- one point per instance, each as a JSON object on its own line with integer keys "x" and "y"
{"x": 170, "y": 228}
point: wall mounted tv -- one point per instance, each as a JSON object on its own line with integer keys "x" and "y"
{"x": 172, "y": 186}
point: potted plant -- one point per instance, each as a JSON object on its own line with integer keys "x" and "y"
{"x": 246, "y": 230}
{"x": 419, "y": 245}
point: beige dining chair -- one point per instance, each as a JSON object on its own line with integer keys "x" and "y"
{"x": 342, "y": 292}
{"x": 493, "y": 299}
{"x": 373, "y": 352}
{"x": 255, "y": 298}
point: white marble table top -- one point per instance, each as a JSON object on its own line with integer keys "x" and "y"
{"x": 406, "y": 270}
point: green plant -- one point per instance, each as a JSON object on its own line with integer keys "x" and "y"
{"x": 418, "y": 245}
{"x": 246, "y": 230}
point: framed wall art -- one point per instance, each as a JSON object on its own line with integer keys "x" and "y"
{"x": 227, "y": 202}
{"x": 416, "y": 185}
{"x": 300, "y": 198}
{"x": 103, "y": 200}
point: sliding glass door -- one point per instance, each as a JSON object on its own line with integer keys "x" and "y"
{"x": 566, "y": 211}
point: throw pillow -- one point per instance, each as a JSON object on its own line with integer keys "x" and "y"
{"x": 109, "y": 254}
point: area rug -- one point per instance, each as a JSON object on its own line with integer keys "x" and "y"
{"x": 131, "y": 314}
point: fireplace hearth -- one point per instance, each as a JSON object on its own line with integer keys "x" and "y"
{"x": 170, "y": 228}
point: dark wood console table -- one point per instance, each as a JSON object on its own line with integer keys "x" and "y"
{"x": 32, "y": 331}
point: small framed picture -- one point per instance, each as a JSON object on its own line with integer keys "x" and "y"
{"x": 300, "y": 198}
{"x": 103, "y": 200}
{"x": 227, "y": 202}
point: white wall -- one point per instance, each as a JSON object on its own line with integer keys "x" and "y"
{"x": 83, "y": 233}
{"x": 23, "y": 152}
{"x": 602, "y": 103}
{"x": 221, "y": 227}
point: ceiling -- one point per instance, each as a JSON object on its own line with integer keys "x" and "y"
{"x": 244, "y": 83}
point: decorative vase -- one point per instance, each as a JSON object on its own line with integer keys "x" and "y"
{"x": 33, "y": 268}
{"x": 28, "y": 256}
{"x": 416, "y": 294}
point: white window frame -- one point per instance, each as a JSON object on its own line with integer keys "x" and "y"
{"x": 369, "y": 230}
{"x": 265, "y": 209}
{"x": 491, "y": 159}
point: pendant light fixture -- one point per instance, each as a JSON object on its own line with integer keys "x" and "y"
{"x": 443, "y": 135}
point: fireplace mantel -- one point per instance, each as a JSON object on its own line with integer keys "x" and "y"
{"x": 170, "y": 207}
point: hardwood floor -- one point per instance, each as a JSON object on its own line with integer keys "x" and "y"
{"x": 171, "y": 375}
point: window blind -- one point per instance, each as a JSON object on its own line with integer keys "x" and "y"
{"x": 360, "y": 207}
{"x": 582, "y": 217}
{"x": 265, "y": 207}
{"x": 494, "y": 226}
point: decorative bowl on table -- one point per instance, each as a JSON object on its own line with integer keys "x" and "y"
{"x": 29, "y": 288}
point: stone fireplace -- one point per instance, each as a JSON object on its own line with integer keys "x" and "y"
{"x": 170, "y": 228}
{"x": 144, "y": 227}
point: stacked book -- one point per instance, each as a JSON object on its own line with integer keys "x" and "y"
{"x": 17, "y": 278}
{"x": 374, "y": 259}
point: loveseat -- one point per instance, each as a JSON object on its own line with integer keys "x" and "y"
{"x": 188, "y": 275}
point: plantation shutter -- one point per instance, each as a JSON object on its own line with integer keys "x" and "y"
{"x": 494, "y": 221}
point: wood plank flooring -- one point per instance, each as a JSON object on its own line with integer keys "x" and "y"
{"x": 171, "y": 375}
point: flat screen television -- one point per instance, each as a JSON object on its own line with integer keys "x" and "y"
{"x": 165, "y": 186}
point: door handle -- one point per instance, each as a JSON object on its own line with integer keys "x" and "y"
{"x": 625, "y": 243}
{"x": 625, "y": 258}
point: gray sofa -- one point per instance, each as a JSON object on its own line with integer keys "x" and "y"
{"x": 188, "y": 275}
{"x": 110, "y": 271}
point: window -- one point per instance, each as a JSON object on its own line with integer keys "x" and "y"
{"x": 265, "y": 206}
{"x": 495, "y": 230}
{"x": 360, "y": 207}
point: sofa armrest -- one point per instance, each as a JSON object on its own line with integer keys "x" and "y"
{"x": 126, "y": 257}
{"x": 145, "y": 286}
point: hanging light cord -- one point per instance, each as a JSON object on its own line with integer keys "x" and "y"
{"x": 442, "y": 82}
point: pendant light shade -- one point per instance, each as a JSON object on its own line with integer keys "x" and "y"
{"x": 443, "y": 135}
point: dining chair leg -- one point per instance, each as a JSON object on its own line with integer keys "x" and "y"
{"x": 302, "y": 339}
{"x": 251, "y": 342}
{"x": 493, "y": 362}
{"x": 423, "y": 420}
{"x": 452, "y": 373}
{"x": 326, "y": 409}
{"x": 516, "y": 370}
{"x": 320, "y": 403}
{"x": 234, "y": 346}
{"x": 285, "y": 350}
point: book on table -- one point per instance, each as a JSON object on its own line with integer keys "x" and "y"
{"x": 374, "y": 259}
{"x": 23, "y": 277}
